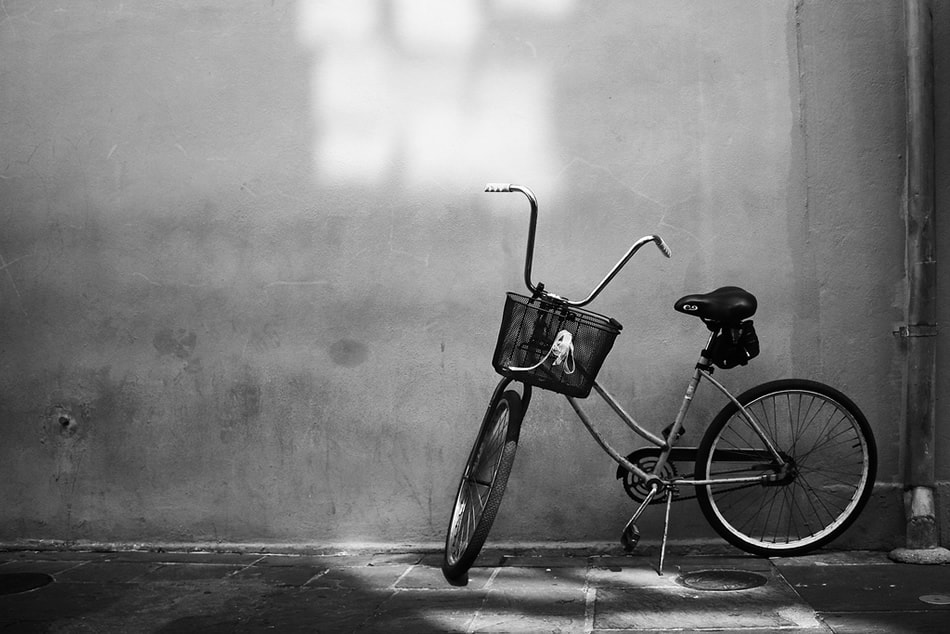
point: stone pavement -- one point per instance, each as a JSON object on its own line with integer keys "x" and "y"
{"x": 554, "y": 591}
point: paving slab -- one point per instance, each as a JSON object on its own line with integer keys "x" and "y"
{"x": 527, "y": 610}
{"x": 886, "y": 622}
{"x": 425, "y": 612}
{"x": 358, "y": 578}
{"x": 46, "y": 566}
{"x": 175, "y": 571}
{"x": 58, "y": 601}
{"x": 282, "y": 575}
{"x": 106, "y": 572}
{"x": 638, "y": 602}
{"x": 430, "y": 578}
{"x": 154, "y": 606}
{"x": 870, "y": 588}
{"x": 311, "y": 610}
{"x": 540, "y": 580}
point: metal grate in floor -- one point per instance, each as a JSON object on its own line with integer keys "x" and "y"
{"x": 721, "y": 580}
{"x": 17, "y": 582}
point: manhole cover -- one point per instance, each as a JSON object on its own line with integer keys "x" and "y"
{"x": 15, "y": 582}
{"x": 936, "y": 599}
{"x": 720, "y": 580}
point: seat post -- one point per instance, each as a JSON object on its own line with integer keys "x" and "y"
{"x": 673, "y": 431}
{"x": 704, "y": 361}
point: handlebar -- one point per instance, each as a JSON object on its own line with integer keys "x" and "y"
{"x": 529, "y": 255}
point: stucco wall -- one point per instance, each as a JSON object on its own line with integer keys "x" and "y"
{"x": 251, "y": 286}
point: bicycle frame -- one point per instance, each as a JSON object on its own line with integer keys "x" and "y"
{"x": 666, "y": 444}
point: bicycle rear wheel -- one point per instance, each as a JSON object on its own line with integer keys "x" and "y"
{"x": 831, "y": 457}
{"x": 483, "y": 484}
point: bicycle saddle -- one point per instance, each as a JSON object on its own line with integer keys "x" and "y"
{"x": 729, "y": 304}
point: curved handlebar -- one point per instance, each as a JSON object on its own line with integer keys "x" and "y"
{"x": 532, "y": 229}
{"x": 532, "y": 226}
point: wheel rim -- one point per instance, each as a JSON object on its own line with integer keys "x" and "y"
{"x": 829, "y": 476}
{"x": 476, "y": 485}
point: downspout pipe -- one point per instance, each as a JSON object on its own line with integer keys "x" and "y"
{"x": 920, "y": 331}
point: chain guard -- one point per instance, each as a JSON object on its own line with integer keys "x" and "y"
{"x": 637, "y": 488}
{"x": 646, "y": 458}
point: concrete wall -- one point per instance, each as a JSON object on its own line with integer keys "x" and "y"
{"x": 250, "y": 286}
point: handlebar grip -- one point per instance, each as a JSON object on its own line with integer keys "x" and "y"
{"x": 662, "y": 246}
{"x": 498, "y": 187}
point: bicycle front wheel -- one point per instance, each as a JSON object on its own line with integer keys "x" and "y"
{"x": 830, "y": 457}
{"x": 483, "y": 484}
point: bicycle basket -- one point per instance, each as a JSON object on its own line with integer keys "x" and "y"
{"x": 532, "y": 329}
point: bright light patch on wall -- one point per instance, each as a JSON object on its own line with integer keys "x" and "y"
{"x": 397, "y": 89}
{"x": 503, "y": 132}
{"x": 356, "y": 153}
{"x": 437, "y": 27}
{"x": 352, "y": 97}
{"x": 354, "y": 83}
{"x": 334, "y": 22}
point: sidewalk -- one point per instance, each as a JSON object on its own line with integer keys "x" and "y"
{"x": 550, "y": 592}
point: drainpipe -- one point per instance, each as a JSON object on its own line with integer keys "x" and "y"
{"x": 920, "y": 331}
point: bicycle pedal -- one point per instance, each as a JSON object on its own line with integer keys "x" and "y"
{"x": 630, "y": 537}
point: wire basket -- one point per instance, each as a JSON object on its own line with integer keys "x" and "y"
{"x": 531, "y": 328}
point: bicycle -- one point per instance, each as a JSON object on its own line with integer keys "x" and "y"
{"x": 783, "y": 469}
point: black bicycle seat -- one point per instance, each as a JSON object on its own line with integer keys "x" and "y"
{"x": 729, "y": 304}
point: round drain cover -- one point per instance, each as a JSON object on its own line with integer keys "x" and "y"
{"x": 936, "y": 599}
{"x": 721, "y": 580}
{"x": 16, "y": 582}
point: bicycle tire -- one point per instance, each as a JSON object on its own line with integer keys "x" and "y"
{"x": 832, "y": 450}
{"x": 482, "y": 484}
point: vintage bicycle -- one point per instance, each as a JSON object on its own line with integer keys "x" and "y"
{"x": 784, "y": 468}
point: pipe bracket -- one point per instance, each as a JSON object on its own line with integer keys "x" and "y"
{"x": 916, "y": 330}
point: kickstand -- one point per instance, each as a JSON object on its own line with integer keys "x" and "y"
{"x": 666, "y": 524}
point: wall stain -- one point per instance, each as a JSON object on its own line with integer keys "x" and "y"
{"x": 246, "y": 398}
{"x": 349, "y": 353}
{"x": 264, "y": 338}
{"x": 63, "y": 423}
{"x": 244, "y": 404}
{"x": 179, "y": 342}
